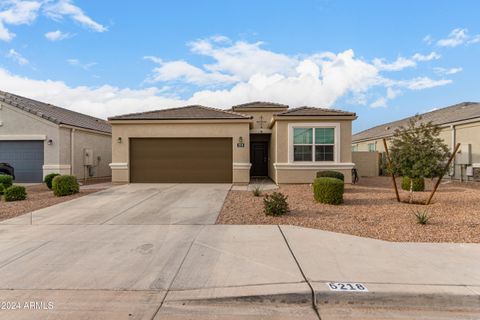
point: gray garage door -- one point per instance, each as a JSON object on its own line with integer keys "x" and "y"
{"x": 26, "y": 157}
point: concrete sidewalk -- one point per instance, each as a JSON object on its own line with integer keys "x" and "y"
{"x": 92, "y": 261}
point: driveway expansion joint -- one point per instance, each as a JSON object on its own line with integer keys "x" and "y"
{"x": 176, "y": 273}
{"x": 312, "y": 290}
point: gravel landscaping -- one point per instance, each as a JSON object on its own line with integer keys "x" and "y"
{"x": 38, "y": 197}
{"x": 370, "y": 210}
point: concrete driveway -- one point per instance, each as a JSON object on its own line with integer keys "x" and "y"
{"x": 147, "y": 251}
{"x": 138, "y": 204}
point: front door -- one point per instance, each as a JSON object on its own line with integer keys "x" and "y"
{"x": 259, "y": 158}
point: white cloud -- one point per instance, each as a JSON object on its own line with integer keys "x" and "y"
{"x": 399, "y": 64}
{"x": 15, "y": 12}
{"x": 19, "y": 12}
{"x": 379, "y": 103}
{"x": 382, "y": 102}
{"x": 428, "y": 39}
{"x": 458, "y": 37}
{"x": 238, "y": 72}
{"x": 63, "y": 8}
{"x": 77, "y": 63}
{"x": 57, "y": 35}
{"x": 440, "y": 70}
{"x": 421, "y": 83}
{"x": 243, "y": 59}
{"x": 17, "y": 57}
{"x": 183, "y": 71}
{"x": 432, "y": 56}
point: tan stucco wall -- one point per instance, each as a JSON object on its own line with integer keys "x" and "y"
{"x": 120, "y": 151}
{"x": 287, "y": 172}
{"x": 16, "y": 122}
{"x": 264, "y": 116}
{"x": 367, "y": 163}
{"x": 57, "y": 156}
{"x": 273, "y": 154}
{"x": 464, "y": 134}
{"x": 101, "y": 146}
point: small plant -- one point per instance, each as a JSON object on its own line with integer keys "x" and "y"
{"x": 49, "y": 178}
{"x": 257, "y": 191}
{"x": 328, "y": 190}
{"x": 422, "y": 216}
{"x": 65, "y": 185}
{"x": 6, "y": 181}
{"x": 15, "y": 193}
{"x": 275, "y": 204}
{"x": 417, "y": 184}
{"x": 330, "y": 174}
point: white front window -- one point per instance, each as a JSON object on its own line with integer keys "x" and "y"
{"x": 314, "y": 143}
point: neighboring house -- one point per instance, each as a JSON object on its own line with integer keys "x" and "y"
{"x": 202, "y": 144}
{"x": 460, "y": 123}
{"x": 37, "y": 138}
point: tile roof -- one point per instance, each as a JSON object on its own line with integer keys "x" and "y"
{"x": 260, "y": 104}
{"x": 313, "y": 111}
{"x": 194, "y": 112}
{"x": 457, "y": 112}
{"x": 55, "y": 114}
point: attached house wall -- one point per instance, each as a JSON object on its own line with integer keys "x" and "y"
{"x": 21, "y": 125}
{"x": 184, "y": 129}
{"x": 288, "y": 171}
{"x": 101, "y": 145}
{"x": 464, "y": 133}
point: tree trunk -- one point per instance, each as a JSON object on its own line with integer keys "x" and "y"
{"x": 411, "y": 191}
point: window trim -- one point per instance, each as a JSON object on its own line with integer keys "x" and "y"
{"x": 314, "y": 125}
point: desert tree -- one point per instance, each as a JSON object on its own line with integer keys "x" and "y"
{"x": 417, "y": 151}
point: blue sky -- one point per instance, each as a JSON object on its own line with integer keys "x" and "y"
{"x": 383, "y": 60}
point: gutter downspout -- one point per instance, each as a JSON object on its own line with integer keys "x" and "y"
{"x": 72, "y": 150}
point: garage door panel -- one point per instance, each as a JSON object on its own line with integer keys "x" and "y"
{"x": 26, "y": 157}
{"x": 202, "y": 160}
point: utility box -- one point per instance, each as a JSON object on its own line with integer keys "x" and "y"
{"x": 88, "y": 157}
{"x": 476, "y": 171}
{"x": 464, "y": 155}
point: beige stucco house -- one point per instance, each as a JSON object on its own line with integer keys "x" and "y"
{"x": 37, "y": 138}
{"x": 258, "y": 139}
{"x": 460, "y": 123}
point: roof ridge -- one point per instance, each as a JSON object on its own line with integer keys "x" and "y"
{"x": 314, "y": 108}
{"x": 260, "y": 102}
{"x": 179, "y": 108}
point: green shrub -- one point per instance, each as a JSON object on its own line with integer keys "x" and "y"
{"x": 6, "y": 181}
{"x": 15, "y": 193}
{"x": 422, "y": 217}
{"x": 331, "y": 174}
{"x": 328, "y": 190}
{"x": 49, "y": 178}
{"x": 65, "y": 185}
{"x": 275, "y": 204}
{"x": 418, "y": 184}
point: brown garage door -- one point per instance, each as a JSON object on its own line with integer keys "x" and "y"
{"x": 203, "y": 160}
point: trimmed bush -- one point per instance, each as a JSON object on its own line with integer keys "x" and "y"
{"x": 65, "y": 185}
{"x": 6, "y": 182}
{"x": 331, "y": 174}
{"x": 275, "y": 204}
{"x": 328, "y": 190}
{"x": 15, "y": 193}
{"x": 49, "y": 178}
{"x": 418, "y": 184}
